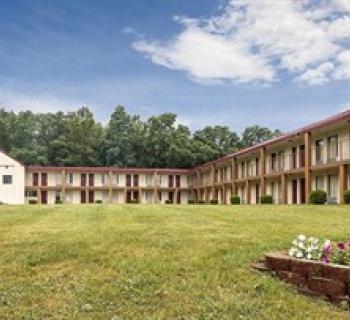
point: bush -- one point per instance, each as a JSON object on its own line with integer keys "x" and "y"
{"x": 201, "y": 202}
{"x": 266, "y": 199}
{"x": 318, "y": 197}
{"x": 347, "y": 196}
{"x": 191, "y": 201}
{"x": 98, "y": 201}
{"x": 134, "y": 201}
{"x": 235, "y": 200}
{"x": 214, "y": 201}
{"x": 168, "y": 201}
{"x": 32, "y": 201}
{"x": 58, "y": 201}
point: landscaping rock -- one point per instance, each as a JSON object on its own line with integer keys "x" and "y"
{"x": 327, "y": 287}
{"x": 306, "y": 267}
{"x": 278, "y": 261}
{"x": 292, "y": 278}
{"x": 335, "y": 272}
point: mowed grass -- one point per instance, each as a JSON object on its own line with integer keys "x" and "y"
{"x": 155, "y": 262}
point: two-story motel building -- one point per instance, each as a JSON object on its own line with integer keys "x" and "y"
{"x": 288, "y": 167}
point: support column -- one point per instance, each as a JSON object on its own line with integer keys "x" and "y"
{"x": 155, "y": 192}
{"x": 63, "y": 178}
{"x": 284, "y": 186}
{"x": 307, "y": 171}
{"x": 198, "y": 185}
{"x": 233, "y": 178}
{"x": 247, "y": 192}
{"x": 262, "y": 172}
{"x": 342, "y": 182}
{"x": 110, "y": 187}
{"x": 212, "y": 182}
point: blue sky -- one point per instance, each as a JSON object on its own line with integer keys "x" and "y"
{"x": 194, "y": 58}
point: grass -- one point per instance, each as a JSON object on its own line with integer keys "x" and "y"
{"x": 155, "y": 262}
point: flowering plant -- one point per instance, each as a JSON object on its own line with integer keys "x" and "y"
{"x": 306, "y": 248}
{"x": 321, "y": 250}
{"x": 338, "y": 253}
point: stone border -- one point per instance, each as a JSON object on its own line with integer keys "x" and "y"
{"x": 328, "y": 281}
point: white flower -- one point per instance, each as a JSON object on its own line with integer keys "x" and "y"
{"x": 295, "y": 243}
{"x": 301, "y": 245}
{"x": 292, "y": 252}
{"x": 309, "y": 256}
{"x": 301, "y": 237}
{"x": 299, "y": 254}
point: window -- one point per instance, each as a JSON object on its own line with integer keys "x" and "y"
{"x": 149, "y": 180}
{"x": 281, "y": 160}
{"x": 149, "y": 196}
{"x": 31, "y": 194}
{"x": 69, "y": 178}
{"x": 333, "y": 148}
{"x": 319, "y": 151}
{"x": 6, "y": 179}
{"x": 58, "y": 196}
{"x": 319, "y": 183}
{"x": 273, "y": 162}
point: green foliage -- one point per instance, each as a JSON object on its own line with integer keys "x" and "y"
{"x": 266, "y": 199}
{"x": 191, "y": 201}
{"x": 167, "y": 201}
{"x": 201, "y": 202}
{"x": 235, "y": 200}
{"x": 214, "y": 201}
{"x": 32, "y": 201}
{"x": 77, "y": 139}
{"x": 134, "y": 201}
{"x": 347, "y": 197}
{"x": 99, "y": 201}
{"x": 318, "y": 197}
{"x": 58, "y": 201}
{"x": 256, "y": 134}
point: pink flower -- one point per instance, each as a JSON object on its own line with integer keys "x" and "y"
{"x": 341, "y": 246}
{"x": 325, "y": 259}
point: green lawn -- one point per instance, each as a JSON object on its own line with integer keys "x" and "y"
{"x": 155, "y": 262}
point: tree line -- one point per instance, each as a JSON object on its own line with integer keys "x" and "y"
{"x": 78, "y": 139}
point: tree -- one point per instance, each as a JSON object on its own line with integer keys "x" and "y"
{"x": 220, "y": 139}
{"x": 256, "y": 134}
{"x": 7, "y": 120}
{"x": 83, "y": 139}
{"x": 123, "y": 139}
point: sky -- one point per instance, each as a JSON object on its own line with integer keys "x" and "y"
{"x": 275, "y": 63}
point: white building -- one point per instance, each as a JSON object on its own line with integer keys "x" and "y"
{"x": 11, "y": 180}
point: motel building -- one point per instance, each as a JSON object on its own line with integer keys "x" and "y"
{"x": 288, "y": 168}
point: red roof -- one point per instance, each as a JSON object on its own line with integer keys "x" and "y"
{"x": 106, "y": 169}
{"x": 345, "y": 115}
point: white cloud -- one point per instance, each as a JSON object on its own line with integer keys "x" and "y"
{"x": 343, "y": 71}
{"x": 258, "y": 40}
{"x": 317, "y": 76}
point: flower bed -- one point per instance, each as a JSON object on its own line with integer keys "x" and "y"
{"x": 315, "y": 267}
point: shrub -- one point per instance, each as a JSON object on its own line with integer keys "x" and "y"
{"x": 235, "y": 200}
{"x": 134, "y": 201}
{"x": 266, "y": 199}
{"x": 32, "y": 201}
{"x": 191, "y": 201}
{"x": 201, "y": 202}
{"x": 214, "y": 201}
{"x": 58, "y": 201}
{"x": 318, "y": 197}
{"x": 98, "y": 201}
{"x": 168, "y": 201}
{"x": 347, "y": 196}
